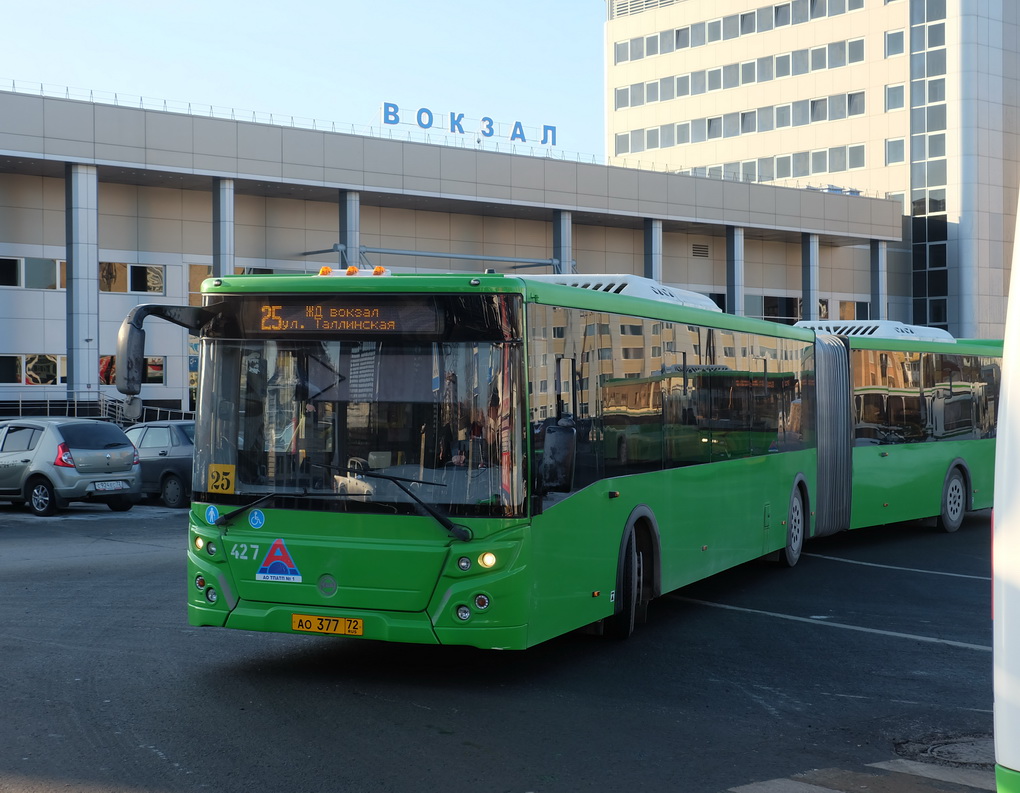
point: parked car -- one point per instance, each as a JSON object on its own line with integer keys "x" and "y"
{"x": 48, "y": 462}
{"x": 166, "y": 449}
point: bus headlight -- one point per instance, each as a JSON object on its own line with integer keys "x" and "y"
{"x": 200, "y": 582}
{"x": 211, "y": 549}
{"x": 199, "y": 543}
{"x": 487, "y": 559}
{"x": 210, "y": 595}
{"x": 481, "y": 602}
{"x": 464, "y": 563}
{"x": 463, "y": 613}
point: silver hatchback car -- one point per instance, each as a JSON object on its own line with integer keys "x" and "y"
{"x": 48, "y": 462}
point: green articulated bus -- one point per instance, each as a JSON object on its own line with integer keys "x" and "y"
{"x": 495, "y": 460}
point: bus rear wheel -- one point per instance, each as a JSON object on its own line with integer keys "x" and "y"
{"x": 795, "y": 529}
{"x": 954, "y": 502}
{"x": 621, "y": 624}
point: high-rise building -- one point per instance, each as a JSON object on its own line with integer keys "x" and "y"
{"x": 909, "y": 99}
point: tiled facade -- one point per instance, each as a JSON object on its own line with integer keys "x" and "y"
{"x": 911, "y": 99}
{"x": 145, "y": 204}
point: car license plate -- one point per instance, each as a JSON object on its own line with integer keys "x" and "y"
{"x": 110, "y": 485}
{"x": 339, "y": 626}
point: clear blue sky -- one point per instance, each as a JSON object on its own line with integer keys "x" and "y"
{"x": 534, "y": 61}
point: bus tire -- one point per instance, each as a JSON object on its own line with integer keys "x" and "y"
{"x": 621, "y": 624}
{"x": 796, "y": 525}
{"x": 954, "y": 501}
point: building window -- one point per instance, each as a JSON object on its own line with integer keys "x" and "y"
{"x": 894, "y": 151}
{"x": 622, "y": 98}
{"x": 893, "y": 43}
{"x": 801, "y": 62}
{"x": 855, "y": 104}
{"x": 155, "y": 367}
{"x": 782, "y": 15}
{"x": 894, "y": 97}
{"x": 837, "y": 54}
{"x": 121, "y": 277}
{"x": 33, "y": 273}
{"x": 33, "y": 369}
{"x": 855, "y": 51}
{"x": 855, "y": 156}
{"x": 782, "y": 66}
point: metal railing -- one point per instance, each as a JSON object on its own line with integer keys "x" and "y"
{"x": 86, "y": 404}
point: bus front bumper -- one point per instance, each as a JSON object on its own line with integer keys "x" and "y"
{"x": 412, "y": 628}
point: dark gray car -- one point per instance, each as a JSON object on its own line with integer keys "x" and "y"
{"x": 48, "y": 462}
{"x": 166, "y": 449}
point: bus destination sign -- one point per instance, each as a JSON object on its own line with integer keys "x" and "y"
{"x": 363, "y": 317}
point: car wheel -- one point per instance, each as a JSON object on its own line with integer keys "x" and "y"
{"x": 120, "y": 503}
{"x": 42, "y": 499}
{"x": 173, "y": 494}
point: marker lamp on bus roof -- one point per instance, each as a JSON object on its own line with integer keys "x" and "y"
{"x": 487, "y": 559}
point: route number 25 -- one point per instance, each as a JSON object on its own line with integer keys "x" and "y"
{"x": 221, "y": 478}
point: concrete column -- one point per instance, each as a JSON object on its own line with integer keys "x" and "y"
{"x": 81, "y": 218}
{"x": 809, "y": 275}
{"x": 563, "y": 241}
{"x": 223, "y": 227}
{"x": 350, "y": 228}
{"x": 653, "y": 249}
{"x": 735, "y": 270}
{"x": 879, "y": 281}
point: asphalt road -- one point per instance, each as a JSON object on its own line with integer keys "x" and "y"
{"x": 874, "y": 649}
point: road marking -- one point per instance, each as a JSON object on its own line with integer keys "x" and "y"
{"x": 876, "y": 631}
{"x": 780, "y": 786}
{"x": 903, "y": 569}
{"x": 981, "y": 778}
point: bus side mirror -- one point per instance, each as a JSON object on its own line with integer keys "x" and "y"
{"x": 556, "y": 470}
{"x": 130, "y": 358}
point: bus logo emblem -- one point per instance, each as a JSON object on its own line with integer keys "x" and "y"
{"x": 278, "y": 565}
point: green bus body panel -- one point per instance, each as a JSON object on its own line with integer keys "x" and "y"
{"x": 1006, "y": 780}
{"x": 899, "y": 482}
{"x": 403, "y": 587}
{"x": 701, "y": 529}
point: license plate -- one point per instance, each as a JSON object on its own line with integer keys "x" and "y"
{"x": 338, "y": 626}
{"x": 110, "y": 485}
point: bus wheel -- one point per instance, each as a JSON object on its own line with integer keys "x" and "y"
{"x": 954, "y": 502}
{"x": 795, "y": 527}
{"x": 621, "y": 624}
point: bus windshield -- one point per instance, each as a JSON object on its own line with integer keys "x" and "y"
{"x": 310, "y": 421}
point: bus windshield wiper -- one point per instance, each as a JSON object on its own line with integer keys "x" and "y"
{"x": 462, "y": 533}
{"x": 225, "y": 519}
